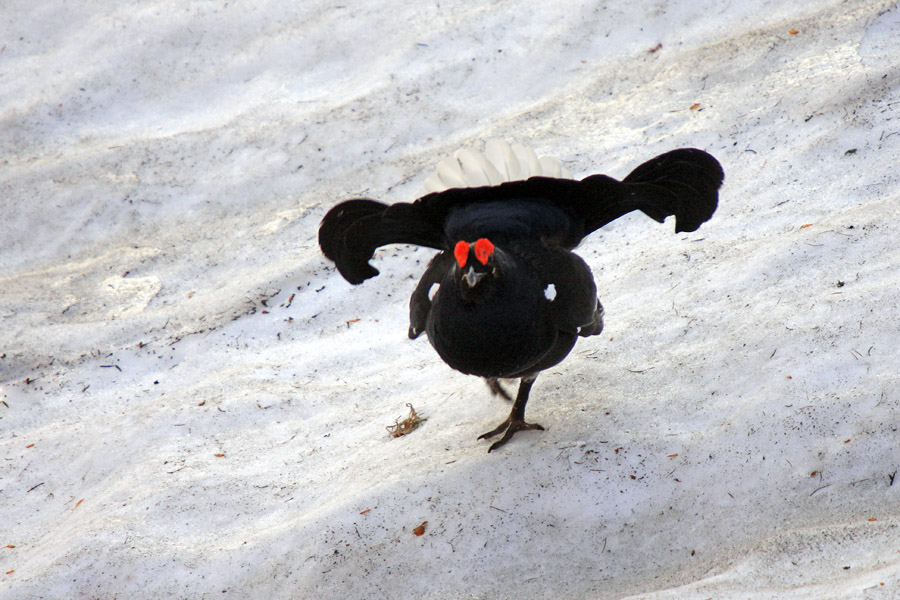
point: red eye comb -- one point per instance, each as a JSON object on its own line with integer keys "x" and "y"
{"x": 461, "y": 252}
{"x": 483, "y": 250}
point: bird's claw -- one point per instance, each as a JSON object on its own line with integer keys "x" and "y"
{"x": 511, "y": 427}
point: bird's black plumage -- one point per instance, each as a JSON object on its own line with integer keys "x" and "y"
{"x": 512, "y": 298}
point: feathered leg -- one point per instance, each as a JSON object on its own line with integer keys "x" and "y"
{"x": 496, "y": 389}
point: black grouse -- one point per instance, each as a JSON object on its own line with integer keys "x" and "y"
{"x": 512, "y": 298}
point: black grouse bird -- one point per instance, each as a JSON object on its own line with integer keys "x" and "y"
{"x": 512, "y": 298}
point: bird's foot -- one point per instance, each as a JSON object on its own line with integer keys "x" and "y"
{"x": 496, "y": 389}
{"x": 511, "y": 427}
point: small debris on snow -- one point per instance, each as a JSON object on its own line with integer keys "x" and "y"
{"x": 407, "y": 425}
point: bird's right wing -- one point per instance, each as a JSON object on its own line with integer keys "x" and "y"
{"x": 352, "y": 231}
{"x": 420, "y": 301}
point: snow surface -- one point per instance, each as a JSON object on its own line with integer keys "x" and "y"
{"x": 193, "y": 403}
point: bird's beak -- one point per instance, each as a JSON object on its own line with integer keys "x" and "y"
{"x": 472, "y": 278}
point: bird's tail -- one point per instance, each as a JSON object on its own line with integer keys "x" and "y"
{"x": 499, "y": 163}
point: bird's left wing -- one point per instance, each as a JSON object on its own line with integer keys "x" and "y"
{"x": 567, "y": 282}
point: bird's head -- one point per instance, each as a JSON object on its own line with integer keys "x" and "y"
{"x": 475, "y": 261}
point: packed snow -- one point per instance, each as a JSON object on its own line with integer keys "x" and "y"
{"x": 194, "y": 403}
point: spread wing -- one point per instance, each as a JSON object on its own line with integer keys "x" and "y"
{"x": 682, "y": 183}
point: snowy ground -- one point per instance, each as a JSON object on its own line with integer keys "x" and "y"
{"x": 194, "y": 403}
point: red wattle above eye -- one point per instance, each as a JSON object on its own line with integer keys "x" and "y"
{"x": 483, "y": 250}
{"x": 461, "y": 252}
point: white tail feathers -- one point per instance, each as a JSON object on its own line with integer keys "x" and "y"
{"x": 500, "y": 162}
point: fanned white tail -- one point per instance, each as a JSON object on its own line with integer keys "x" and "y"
{"x": 500, "y": 162}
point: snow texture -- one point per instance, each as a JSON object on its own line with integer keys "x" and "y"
{"x": 193, "y": 403}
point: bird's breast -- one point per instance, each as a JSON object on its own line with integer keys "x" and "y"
{"x": 500, "y": 335}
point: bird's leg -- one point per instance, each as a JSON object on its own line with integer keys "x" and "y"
{"x": 515, "y": 422}
{"x": 496, "y": 389}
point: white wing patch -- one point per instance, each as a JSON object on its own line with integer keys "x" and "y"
{"x": 550, "y": 292}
